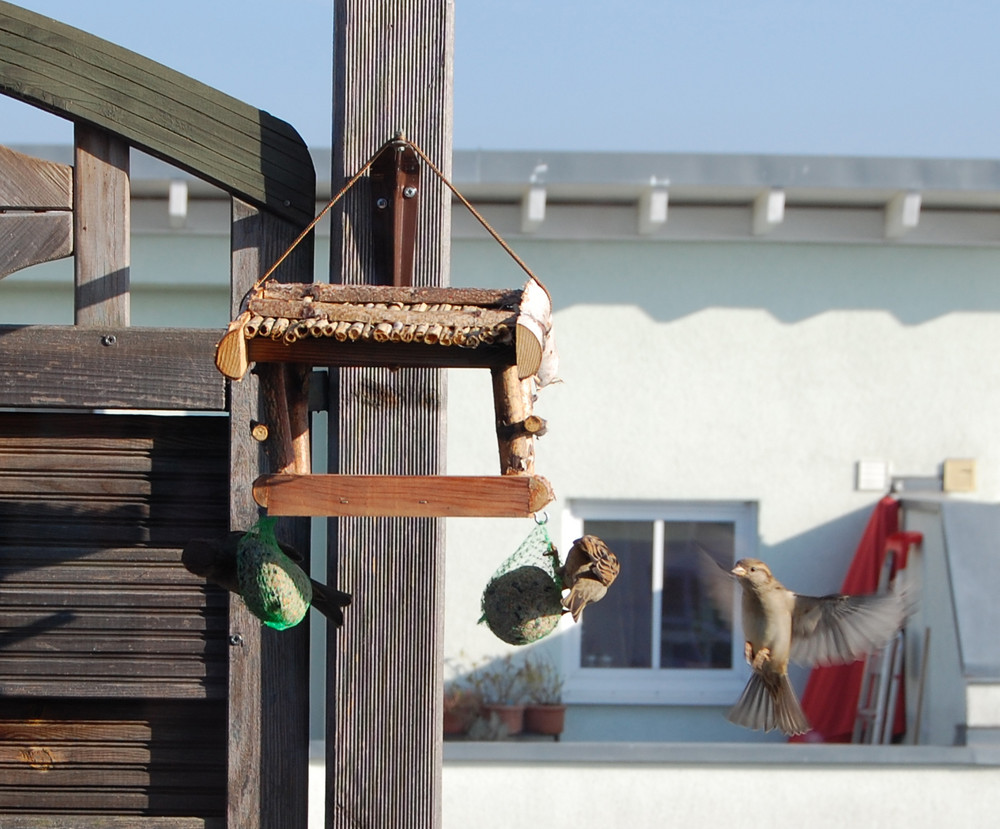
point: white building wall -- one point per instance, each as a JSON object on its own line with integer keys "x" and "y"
{"x": 735, "y": 370}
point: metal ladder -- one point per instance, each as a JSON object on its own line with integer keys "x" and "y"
{"x": 880, "y": 682}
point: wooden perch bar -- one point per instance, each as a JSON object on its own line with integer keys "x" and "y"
{"x": 509, "y": 496}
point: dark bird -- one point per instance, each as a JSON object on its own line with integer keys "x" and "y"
{"x": 588, "y": 572}
{"x": 266, "y": 574}
{"x": 780, "y": 625}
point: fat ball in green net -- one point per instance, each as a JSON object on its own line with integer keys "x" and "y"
{"x": 522, "y": 602}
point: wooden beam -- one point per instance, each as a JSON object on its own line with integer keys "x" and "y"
{"x": 30, "y": 183}
{"x": 247, "y": 152}
{"x": 512, "y": 405}
{"x": 101, "y": 228}
{"x": 131, "y": 368}
{"x": 33, "y": 238}
{"x": 326, "y": 351}
{"x": 392, "y": 72}
{"x": 420, "y": 496}
{"x": 268, "y": 669}
{"x": 509, "y": 298}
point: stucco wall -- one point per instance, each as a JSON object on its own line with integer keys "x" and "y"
{"x": 741, "y": 371}
{"x": 751, "y": 370}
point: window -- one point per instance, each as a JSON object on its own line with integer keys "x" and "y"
{"x": 668, "y": 631}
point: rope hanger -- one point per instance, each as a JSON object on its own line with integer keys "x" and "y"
{"x": 399, "y": 139}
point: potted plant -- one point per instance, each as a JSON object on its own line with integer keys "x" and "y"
{"x": 544, "y": 712}
{"x": 461, "y": 707}
{"x": 501, "y": 687}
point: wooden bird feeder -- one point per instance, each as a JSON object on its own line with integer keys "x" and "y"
{"x": 507, "y": 331}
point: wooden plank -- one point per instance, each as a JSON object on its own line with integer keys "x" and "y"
{"x": 504, "y": 298}
{"x": 392, "y": 71}
{"x": 30, "y": 183}
{"x": 143, "y": 368}
{"x": 111, "y": 763}
{"x": 101, "y": 228}
{"x": 507, "y": 496}
{"x": 79, "y": 821}
{"x": 457, "y": 316}
{"x": 268, "y": 669}
{"x": 327, "y": 351}
{"x": 82, "y": 617}
{"x": 33, "y": 238}
{"x": 247, "y": 152}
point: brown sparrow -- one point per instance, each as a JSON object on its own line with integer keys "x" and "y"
{"x": 588, "y": 572}
{"x": 780, "y": 625}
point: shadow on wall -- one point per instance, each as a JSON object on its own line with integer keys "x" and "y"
{"x": 791, "y": 282}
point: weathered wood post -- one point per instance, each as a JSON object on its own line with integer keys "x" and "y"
{"x": 392, "y": 72}
{"x": 268, "y": 669}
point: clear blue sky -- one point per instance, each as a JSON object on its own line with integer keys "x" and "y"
{"x": 842, "y": 77}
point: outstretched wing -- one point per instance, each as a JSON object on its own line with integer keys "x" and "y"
{"x": 833, "y": 630}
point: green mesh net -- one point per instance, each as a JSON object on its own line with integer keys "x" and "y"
{"x": 522, "y": 602}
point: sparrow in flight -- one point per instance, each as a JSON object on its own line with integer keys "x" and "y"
{"x": 780, "y": 625}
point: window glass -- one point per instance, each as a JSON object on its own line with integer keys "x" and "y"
{"x": 693, "y": 631}
{"x": 668, "y": 630}
{"x": 616, "y": 630}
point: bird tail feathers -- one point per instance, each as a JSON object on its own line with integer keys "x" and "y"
{"x": 329, "y": 601}
{"x": 575, "y": 604}
{"x": 770, "y": 703}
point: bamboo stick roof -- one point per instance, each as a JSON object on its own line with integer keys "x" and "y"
{"x": 466, "y": 317}
{"x": 509, "y": 326}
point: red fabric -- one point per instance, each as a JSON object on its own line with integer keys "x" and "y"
{"x": 830, "y": 700}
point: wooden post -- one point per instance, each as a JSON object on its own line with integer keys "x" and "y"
{"x": 392, "y": 72}
{"x": 268, "y": 669}
{"x": 101, "y": 226}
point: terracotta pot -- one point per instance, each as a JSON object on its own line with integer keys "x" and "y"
{"x": 455, "y": 722}
{"x": 512, "y": 716}
{"x": 545, "y": 719}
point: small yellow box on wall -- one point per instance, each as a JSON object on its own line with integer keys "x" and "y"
{"x": 959, "y": 475}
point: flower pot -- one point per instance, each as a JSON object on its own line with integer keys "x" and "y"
{"x": 455, "y": 722}
{"x": 512, "y": 716}
{"x": 545, "y": 719}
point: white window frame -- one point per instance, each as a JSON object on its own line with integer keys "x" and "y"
{"x": 656, "y": 686}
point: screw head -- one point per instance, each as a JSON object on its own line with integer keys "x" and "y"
{"x": 409, "y": 192}
{"x": 108, "y": 340}
{"x": 235, "y": 639}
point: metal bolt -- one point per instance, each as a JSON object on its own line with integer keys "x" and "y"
{"x": 409, "y": 192}
{"x": 382, "y": 204}
{"x": 235, "y": 639}
{"x": 108, "y": 340}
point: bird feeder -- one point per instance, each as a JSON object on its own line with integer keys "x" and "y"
{"x": 507, "y": 331}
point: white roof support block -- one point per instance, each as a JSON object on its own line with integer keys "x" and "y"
{"x": 177, "y": 203}
{"x": 768, "y": 211}
{"x": 902, "y": 214}
{"x": 653, "y": 205}
{"x": 533, "y": 208}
